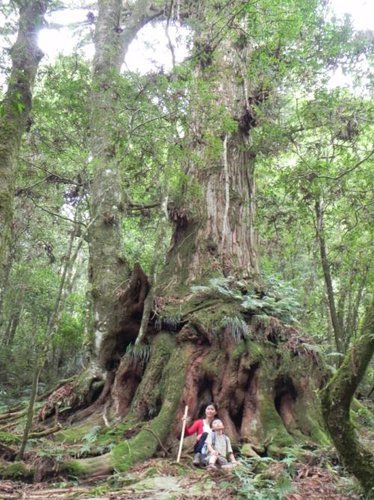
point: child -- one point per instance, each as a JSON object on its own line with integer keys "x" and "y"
{"x": 219, "y": 447}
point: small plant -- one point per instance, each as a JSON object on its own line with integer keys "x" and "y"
{"x": 88, "y": 440}
{"x": 253, "y": 479}
{"x": 277, "y": 300}
{"x": 169, "y": 323}
{"x": 237, "y": 327}
{"x": 139, "y": 352}
{"x": 221, "y": 287}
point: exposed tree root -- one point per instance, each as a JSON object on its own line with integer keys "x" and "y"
{"x": 257, "y": 378}
{"x": 147, "y": 441}
{"x": 86, "y": 412}
{"x": 45, "y": 432}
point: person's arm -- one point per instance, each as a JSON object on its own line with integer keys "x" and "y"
{"x": 195, "y": 428}
{"x": 230, "y": 453}
{"x": 209, "y": 445}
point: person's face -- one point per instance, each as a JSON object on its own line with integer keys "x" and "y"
{"x": 218, "y": 427}
{"x": 210, "y": 411}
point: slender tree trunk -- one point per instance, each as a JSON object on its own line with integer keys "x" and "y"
{"x": 26, "y": 56}
{"x": 338, "y": 334}
{"x": 352, "y": 316}
{"x": 12, "y": 326}
{"x": 336, "y": 403}
{"x": 4, "y": 277}
{"x": 30, "y": 410}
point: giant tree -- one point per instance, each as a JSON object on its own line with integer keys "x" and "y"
{"x": 216, "y": 333}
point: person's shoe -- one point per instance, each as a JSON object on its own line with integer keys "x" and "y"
{"x": 196, "y": 459}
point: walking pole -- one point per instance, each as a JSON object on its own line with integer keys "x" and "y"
{"x": 182, "y": 434}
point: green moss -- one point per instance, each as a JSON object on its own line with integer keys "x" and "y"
{"x": 75, "y": 468}
{"x": 213, "y": 313}
{"x": 212, "y": 364}
{"x": 239, "y": 350}
{"x": 309, "y": 421}
{"x": 256, "y": 351}
{"x": 146, "y": 442}
{"x": 73, "y": 434}
{"x": 276, "y": 434}
{"x": 16, "y": 470}
{"x": 360, "y": 414}
{"x": 149, "y": 390}
{"x": 8, "y": 438}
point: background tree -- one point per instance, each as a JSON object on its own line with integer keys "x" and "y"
{"x": 15, "y": 110}
{"x": 337, "y": 399}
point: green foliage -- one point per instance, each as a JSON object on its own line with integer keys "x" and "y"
{"x": 8, "y": 438}
{"x": 237, "y": 327}
{"x": 169, "y": 322}
{"x": 139, "y": 352}
{"x": 270, "y": 302}
{"x": 310, "y": 142}
{"x": 251, "y": 483}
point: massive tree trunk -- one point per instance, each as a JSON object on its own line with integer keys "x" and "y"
{"x": 16, "y": 107}
{"x": 214, "y": 225}
{"x": 336, "y": 401}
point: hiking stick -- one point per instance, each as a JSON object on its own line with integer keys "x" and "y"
{"x": 182, "y": 434}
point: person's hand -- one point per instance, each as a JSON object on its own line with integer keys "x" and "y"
{"x": 186, "y": 419}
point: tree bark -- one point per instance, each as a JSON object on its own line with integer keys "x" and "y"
{"x": 16, "y": 107}
{"x": 336, "y": 402}
{"x": 214, "y": 230}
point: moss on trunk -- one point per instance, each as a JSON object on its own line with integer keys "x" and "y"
{"x": 336, "y": 402}
{"x": 153, "y": 433}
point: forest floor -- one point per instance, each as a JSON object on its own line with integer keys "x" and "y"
{"x": 302, "y": 473}
{"x": 163, "y": 479}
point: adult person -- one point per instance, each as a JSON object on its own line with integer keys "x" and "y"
{"x": 202, "y": 428}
